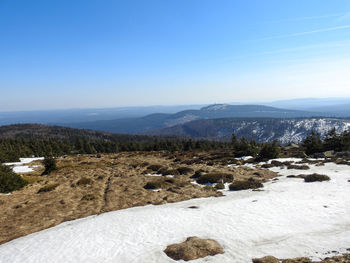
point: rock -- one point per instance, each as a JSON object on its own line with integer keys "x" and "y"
{"x": 193, "y": 248}
{"x": 267, "y": 259}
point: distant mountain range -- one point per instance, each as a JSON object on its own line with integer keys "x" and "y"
{"x": 217, "y": 121}
{"x": 286, "y": 131}
{"x": 328, "y": 107}
{"x": 86, "y": 115}
{"x": 337, "y": 107}
{"x": 216, "y": 111}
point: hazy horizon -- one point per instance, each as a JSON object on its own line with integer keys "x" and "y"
{"x": 90, "y": 54}
{"x": 327, "y": 101}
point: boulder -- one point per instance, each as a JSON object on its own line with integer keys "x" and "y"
{"x": 193, "y": 248}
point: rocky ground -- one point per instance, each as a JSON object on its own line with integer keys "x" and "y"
{"x": 88, "y": 185}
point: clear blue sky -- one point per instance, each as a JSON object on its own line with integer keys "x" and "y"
{"x": 82, "y": 53}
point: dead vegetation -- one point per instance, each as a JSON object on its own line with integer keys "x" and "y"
{"x": 245, "y": 185}
{"x": 88, "y": 185}
{"x": 316, "y": 178}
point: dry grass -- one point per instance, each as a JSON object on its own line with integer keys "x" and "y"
{"x": 111, "y": 182}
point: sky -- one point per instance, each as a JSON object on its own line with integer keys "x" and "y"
{"x": 63, "y": 54}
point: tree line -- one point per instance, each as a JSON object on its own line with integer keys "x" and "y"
{"x": 314, "y": 143}
{"x": 12, "y": 149}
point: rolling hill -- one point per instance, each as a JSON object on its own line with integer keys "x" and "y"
{"x": 216, "y": 111}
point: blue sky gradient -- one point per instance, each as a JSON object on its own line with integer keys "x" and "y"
{"x": 84, "y": 53}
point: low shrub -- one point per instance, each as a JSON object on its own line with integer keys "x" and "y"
{"x": 184, "y": 170}
{"x": 269, "y": 151}
{"x": 84, "y": 181}
{"x": 245, "y": 185}
{"x": 49, "y": 164}
{"x": 47, "y": 188}
{"x": 215, "y": 178}
{"x": 316, "y": 178}
{"x": 9, "y": 181}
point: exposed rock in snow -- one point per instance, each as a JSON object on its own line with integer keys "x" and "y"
{"x": 193, "y": 248}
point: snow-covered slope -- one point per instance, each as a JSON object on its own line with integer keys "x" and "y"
{"x": 289, "y": 219}
{"x": 263, "y": 129}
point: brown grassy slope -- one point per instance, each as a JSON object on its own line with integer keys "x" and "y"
{"x": 87, "y": 185}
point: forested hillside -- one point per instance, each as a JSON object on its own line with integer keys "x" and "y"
{"x": 161, "y": 120}
{"x": 24, "y": 140}
{"x": 285, "y": 130}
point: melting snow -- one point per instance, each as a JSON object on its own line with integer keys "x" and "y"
{"x": 19, "y": 167}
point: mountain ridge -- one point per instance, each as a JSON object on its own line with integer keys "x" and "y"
{"x": 216, "y": 111}
{"x": 292, "y": 130}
